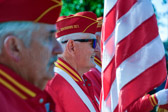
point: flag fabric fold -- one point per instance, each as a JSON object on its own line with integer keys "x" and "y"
{"x": 133, "y": 61}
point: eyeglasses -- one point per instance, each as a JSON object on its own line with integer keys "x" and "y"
{"x": 93, "y": 41}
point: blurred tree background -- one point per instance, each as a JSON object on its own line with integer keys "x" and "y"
{"x": 74, "y": 6}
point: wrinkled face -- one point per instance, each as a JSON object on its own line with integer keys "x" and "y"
{"x": 85, "y": 54}
{"x": 40, "y": 56}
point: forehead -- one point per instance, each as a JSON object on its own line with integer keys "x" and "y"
{"x": 44, "y": 29}
{"x": 48, "y": 28}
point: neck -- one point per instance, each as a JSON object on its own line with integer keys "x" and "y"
{"x": 75, "y": 66}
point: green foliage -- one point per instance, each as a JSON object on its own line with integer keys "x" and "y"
{"x": 74, "y": 6}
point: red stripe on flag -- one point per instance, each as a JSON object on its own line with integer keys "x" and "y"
{"x": 145, "y": 82}
{"x": 108, "y": 77}
{"x": 124, "y": 7}
{"x": 110, "y": 19}
{"x": 109, "y": 24}
{"x": 142, "y": 35}
{"x": 137, "y": 39}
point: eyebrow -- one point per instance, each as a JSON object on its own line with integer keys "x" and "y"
{"x": 52, "y": 31}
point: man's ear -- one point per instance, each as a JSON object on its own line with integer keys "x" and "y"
{"x": 70, "y": 47}
{"x": 12, "y": 47}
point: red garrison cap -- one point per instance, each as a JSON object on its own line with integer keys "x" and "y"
{"x": 43, "y": 11}
{"x": 80, "y": 22}
{"x": 99, "y": 25}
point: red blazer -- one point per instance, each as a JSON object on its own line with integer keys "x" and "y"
{"x": 95, "y": 76}
{"x": 17, "y": 95}
{"x": 144, "y": 104}
{"x": 64, "y": 95}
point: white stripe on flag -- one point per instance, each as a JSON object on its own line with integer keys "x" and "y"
{"x": 109, "y": 6}
{"x": 136, "y": 64}
{"x": 108, "y": 52}
{"x": 115, "y": 95}
{"x": 111, "y": 101}
{"x": 129, "y": 72}
{"x": 124, "y": 26}
{"x": 132, "y": 19}
{"x": 133, "y": 66}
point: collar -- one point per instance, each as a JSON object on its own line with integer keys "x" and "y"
{"x": 12, "y": 81}
{"x": 97, "y": 61}
{"x": 60, "y": 63}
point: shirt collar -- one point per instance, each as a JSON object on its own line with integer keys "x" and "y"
{"x": 97, "y": 61}
{"x": 17, "y": 85}
{"x": 60, "y": 63}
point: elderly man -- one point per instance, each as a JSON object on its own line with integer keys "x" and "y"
{"x": 27, "y": 51}
{"x": 72, "y": 91}
{"x": 94, "y": 74}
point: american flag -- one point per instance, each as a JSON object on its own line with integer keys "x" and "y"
{"x": 133, "y": 61}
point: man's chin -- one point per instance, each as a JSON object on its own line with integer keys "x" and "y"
{"x": 51, "y": 71}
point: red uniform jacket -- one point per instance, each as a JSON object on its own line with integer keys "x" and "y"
{"x": 64, "y": 95}
{"x": 164, "y": 108}
{"x": 17, "y": 95}
{"x": 95, "y": 76}
{"x": 144, "y": 104}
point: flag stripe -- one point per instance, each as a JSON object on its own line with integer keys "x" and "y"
{"x": 109, "y": 24}
{"x": 133, "y": 66}
{"x": 122, "y": 9}
{"x": 131, "y": 49}
{"x": 108, "y": 54}
{"x": 143, "y": 83}
{"x": 135, "y": 40}
{"x": 110, "y": 19}
{"x": 109, "y": 6}
{"x": 114, "y": 86}
{"x": 108, "y": 79}
{"x": 132, "y": 19}
{"x": 125, "y": 25}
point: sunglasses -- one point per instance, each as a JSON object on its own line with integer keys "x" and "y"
{"x": 93, "y": 41}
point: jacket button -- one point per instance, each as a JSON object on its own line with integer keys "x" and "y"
{"x": 41, "y": 100}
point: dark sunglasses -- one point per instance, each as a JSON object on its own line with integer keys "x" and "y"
{"x": 93, "y": 41}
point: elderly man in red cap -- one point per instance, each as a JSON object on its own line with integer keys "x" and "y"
{"x": 94, "y": 74}
{"x": 72, "y": 91}
{"x": 27, "y": 51}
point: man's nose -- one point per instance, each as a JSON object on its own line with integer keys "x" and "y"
{"x": 57, "y": 49}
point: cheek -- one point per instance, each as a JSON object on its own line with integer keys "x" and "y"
{"x": 42, "y": 56}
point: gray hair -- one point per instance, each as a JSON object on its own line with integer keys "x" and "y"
{"x": 22, "y": 30}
